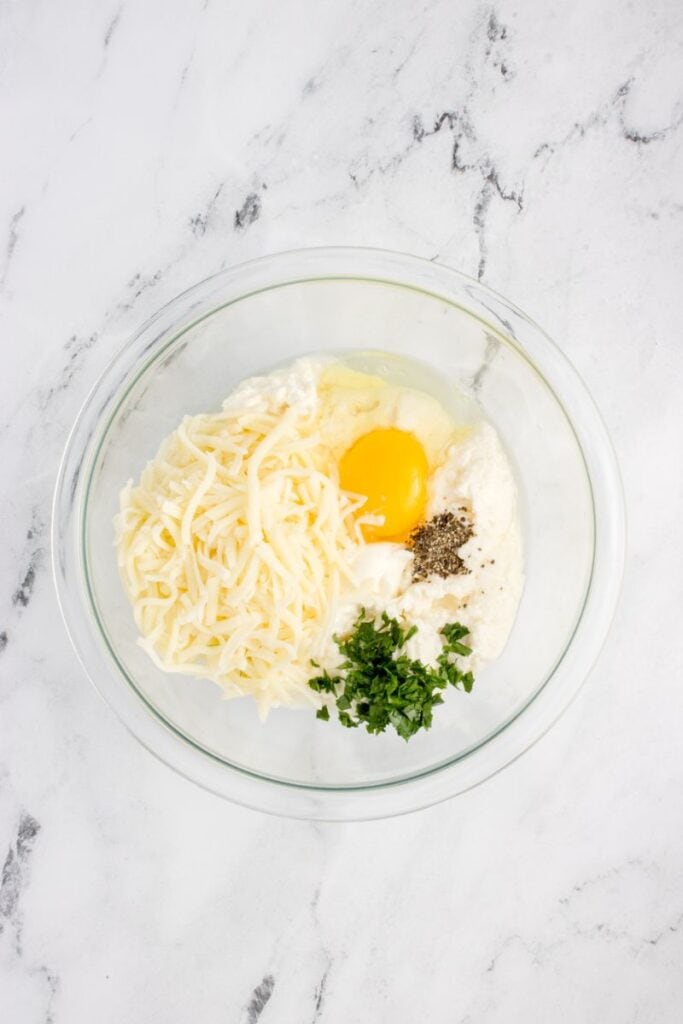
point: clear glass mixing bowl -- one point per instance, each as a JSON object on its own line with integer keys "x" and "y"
{"x": 269, "y": 311}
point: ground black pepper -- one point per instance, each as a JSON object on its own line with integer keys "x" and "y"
{"x": 436, "y": 546}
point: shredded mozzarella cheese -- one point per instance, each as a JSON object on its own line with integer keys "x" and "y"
{"x": 233, "y": 547}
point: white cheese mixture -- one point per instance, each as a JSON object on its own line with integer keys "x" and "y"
{"x": 476, "y": 474}
{"x": 242, "y": 557}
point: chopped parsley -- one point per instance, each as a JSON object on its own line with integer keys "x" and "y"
{"x": 378, "y": 685}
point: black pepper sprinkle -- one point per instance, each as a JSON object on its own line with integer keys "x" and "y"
{"x": 436, "y": 546}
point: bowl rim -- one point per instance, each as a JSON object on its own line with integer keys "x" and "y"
{"x": 240, "y": 784}
{"x": 156, "y": 359}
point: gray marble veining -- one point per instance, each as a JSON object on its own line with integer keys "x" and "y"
{"x": 536, "y": 146}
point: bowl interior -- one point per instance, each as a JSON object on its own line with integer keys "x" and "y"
{"x": 454, "y": 351}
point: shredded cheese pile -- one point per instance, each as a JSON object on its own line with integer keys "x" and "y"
{"x": 233, "y": 548}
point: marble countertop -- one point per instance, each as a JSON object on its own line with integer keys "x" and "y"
{"x": 537, "y": 146}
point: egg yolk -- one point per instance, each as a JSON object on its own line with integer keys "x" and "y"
{"x": 390, "y": 468}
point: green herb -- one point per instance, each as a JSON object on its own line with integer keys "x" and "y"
{"x": 378, "y": 686}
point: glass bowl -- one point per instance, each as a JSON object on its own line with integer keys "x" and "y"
{"x": 243, "y": 321}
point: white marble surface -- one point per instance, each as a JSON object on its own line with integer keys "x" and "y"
{"x": 146, "y": 145}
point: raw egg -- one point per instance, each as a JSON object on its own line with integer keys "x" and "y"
{"x": 390, "y": 468}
